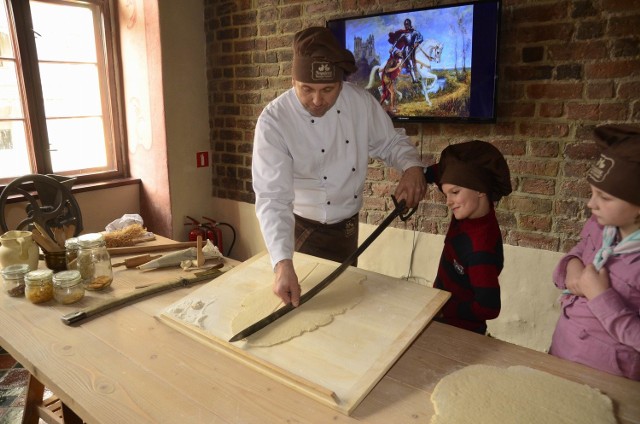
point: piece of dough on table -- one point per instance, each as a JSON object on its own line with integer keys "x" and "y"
{"x": 345, "y": 292}
{"x": 483, "y": 394}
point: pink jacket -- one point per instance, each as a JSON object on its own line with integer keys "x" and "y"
{"x": 603, "y": 333}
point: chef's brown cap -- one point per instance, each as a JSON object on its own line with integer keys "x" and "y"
{"x": 617, "y": 169}
{"x": 318, "y": 57}
{"x": 476, "y": 165}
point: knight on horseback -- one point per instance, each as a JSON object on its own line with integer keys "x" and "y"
{"x": 407, "y": 41}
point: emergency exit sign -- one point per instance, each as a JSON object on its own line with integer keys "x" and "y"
{"x": 202, "y": 159}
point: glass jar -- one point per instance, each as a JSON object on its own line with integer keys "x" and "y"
{"x": 13, "y": 276}
{"x": 39, "y": 285}
{"x": 71, "y": 252}
{"x": 94, "y": 262}
{"x": 68, "y": 287}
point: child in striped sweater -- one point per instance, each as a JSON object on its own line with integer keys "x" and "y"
{"x": 472, "y": 175}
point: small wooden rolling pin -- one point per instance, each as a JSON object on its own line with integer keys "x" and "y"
{"x": 136, "y": 261}
{"x": 152, "y": 248}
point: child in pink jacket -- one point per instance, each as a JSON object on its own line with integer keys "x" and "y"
{"x": 599, "y": 325}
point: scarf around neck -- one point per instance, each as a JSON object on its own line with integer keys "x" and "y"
{"x": 629, "y": 244}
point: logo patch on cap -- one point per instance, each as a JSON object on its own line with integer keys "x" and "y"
{"x": 322, "y": 71}
{"x": 601, "y": 168}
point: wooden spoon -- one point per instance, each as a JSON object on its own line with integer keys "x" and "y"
{"x": 199, "y": 255}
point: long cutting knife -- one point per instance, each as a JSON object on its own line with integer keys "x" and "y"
{"x": 397, "y": 212}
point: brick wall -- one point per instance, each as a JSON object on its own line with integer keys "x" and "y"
{"x": 565, "y": 67}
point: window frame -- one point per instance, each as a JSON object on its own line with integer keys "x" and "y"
{"x": 30, "y": 88}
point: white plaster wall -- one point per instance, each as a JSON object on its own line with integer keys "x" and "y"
{"x": 529, "y": 307}
{"x": 100, "y": 208}
{"x": 242, "y": 217}
{"x": 186, "y": 110}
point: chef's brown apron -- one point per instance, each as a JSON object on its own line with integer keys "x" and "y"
{"x": 334, "y": 242}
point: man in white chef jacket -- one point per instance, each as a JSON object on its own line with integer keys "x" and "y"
{"x": 310, "y": 155}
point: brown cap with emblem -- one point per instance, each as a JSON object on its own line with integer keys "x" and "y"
{"x": 476, "y": 165}
{"x": 617, "y": 169}
{"x": 318, "y": 57}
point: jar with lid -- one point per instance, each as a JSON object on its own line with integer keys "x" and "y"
{"x": 94, "y": 262}
{"x": 68, "y": 287}
{"x": 39, "y": 285}
{"x": 71, "y": 252}
{"x": 13, "y": 276}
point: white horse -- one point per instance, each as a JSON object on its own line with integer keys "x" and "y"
{"x": 428, "y": 51}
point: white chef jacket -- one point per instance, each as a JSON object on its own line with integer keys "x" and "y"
{"x": 316, "y": 167}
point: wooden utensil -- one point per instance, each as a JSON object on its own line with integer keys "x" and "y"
{"x": 199, "y": 255}
{"x": 136, "y": 261}
{"x": 59, "y": 235}
{"x": 45, "y": 241}
{"x": 69, "y": 230}
{"x": 152, "y": 248}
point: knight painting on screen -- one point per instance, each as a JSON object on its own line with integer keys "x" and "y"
{"x": 407, "y": 41}
{"x": 311, "y": 152}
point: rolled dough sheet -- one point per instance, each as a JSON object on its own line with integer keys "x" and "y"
{"x": 485, "y": 394}
{"x": 341, "y": 295}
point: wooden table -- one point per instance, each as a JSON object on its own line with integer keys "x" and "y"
{"x": 126, "y": 366}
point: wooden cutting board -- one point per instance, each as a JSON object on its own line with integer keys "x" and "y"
{"x": 337, "y": 364}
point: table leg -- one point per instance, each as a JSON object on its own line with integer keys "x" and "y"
{"x": 53, "y": 411}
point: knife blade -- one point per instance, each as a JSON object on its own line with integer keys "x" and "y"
{"x": 260, "y": 324}
{"x": 85, "y": 313}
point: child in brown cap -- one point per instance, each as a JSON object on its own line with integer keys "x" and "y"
{"x": 599, "y": 325}
{"x": 472, "y": 175}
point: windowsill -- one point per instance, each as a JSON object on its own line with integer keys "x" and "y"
{"x": 86, "y": 187}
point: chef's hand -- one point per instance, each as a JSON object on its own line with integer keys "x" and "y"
{"x": 286, "y": 286}
{"x": 412, "y": 186}
{"x": 593, "y": 283}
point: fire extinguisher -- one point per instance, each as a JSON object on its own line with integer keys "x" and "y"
{"x": 198, "y": 229}
{"x": 213, "y": 233}
{"x": 210, "y": 231}
{"x": 215, "y": 227}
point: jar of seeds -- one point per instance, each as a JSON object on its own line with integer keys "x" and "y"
{"x": 94, "y": 262}
{"x": 71, "y": 252}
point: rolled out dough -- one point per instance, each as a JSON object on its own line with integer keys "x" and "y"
{"x": 485, "y": 394}
{"x": 342, "y": 294}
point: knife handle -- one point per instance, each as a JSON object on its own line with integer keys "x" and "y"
{"x": 73, "y": 317}
{"x": 401, "y": 205}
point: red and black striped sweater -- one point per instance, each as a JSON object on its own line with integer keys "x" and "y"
{"x": 471, "y": 261}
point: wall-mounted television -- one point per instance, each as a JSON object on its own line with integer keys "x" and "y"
{"x": 428, "y": 64}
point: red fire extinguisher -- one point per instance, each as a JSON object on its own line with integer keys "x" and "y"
{"x": 210, "y": 231}
{"x": 214, "y": 233}
{"x": 207, "y": 230}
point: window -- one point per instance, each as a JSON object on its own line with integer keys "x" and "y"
{"x": 59, "y": 95}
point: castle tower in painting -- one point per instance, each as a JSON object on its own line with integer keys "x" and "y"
{"x": 365, "y": 50}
